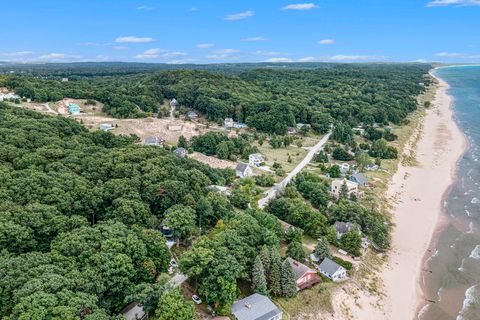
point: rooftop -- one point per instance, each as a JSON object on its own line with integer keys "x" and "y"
{"x": 255, "y": 307}
{"x": 298, "y": 268}
{"x": 329, "y": 266}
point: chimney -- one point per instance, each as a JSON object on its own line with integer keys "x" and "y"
{"x": 248, "y": 305}
{"x": 295, "y": 263}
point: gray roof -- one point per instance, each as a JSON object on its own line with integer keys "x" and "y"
{"x": 151, "y": 140}
{"x": 298, "y": 268}
{"x": 241, "y": 167}
{"x": 255, "y": 307}
{"x": 328, "y": 266}
{"x": 342, "y": 227}
{"x": 180, "y": 150}
{"x": 359, "y": 178}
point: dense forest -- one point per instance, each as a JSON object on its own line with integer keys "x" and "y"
{"x": 267, "y": 98}
{"x": 80, "y": 215}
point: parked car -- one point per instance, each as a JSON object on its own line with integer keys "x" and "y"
{"x": 196, "y": 299}
{"x": 173, "y": 263}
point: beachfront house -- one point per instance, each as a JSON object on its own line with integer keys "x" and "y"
{"x": 305, "y": 277}
{"x": 351, "y": 188}
{"x": 228, "y": 123}
{"x": 106, "y": 126}
{"x": 343, "y": 227}
{"x": 301, "y": 125}
{"x": 153, "y": 141}
{"x": 332, "y": 270}
{"x": 360, "y": 179}
{"x": 255, "y": 160}
{"x": 371, "y": 167}
{"x": 243, "y": 170}
{"x": 256, "y": 307}
{"x": 182, "y": 152}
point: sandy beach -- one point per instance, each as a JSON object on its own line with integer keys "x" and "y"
{"x": 417, "y": 195}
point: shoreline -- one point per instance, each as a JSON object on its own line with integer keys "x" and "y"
{"x": 443, "y": 219}
{"x": 417, "y": 194}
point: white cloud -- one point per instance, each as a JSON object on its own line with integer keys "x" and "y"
{"x": 205, "y": 45}
{"x": 181, "y": 61}
{"x": 342, "y": 57}
{"x": 144, "y": 8}
{"x": 326, "y": 41}
{"x": 240, "y": 16}
{"x": 156, "y": 53}
{"x": 224, "y": 54}
{"x": 267, "y": 53}
{"x": 279, "y": 59}
{"x": 255, "y": 39}
{"x": 17, "y": 54}
{"x": 225, "y": 51}
{"x": 102, "y": 57}
{"x": 300, "y": 6}
{"x": 132, "y": 39}
{"x": 456, "y": 3}
{"x": 193, "y": 9}
{"x": 452, "y": 55}
{"x": 59, "y": 56}
{"x": 307, "y": 59}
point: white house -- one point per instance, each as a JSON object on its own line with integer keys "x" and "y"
{"x": 371, "y": 167}
{"x": 243, "y": 170}
{"x": 256, "y": 307}
{"x": 332, "y": 270}
{"x": 255, "y": 159}
{"x": 344, "y": 168}
{"x": 173, "y": 103}
{"x": 106, "y": 126}
{"x": 153, "y": 141}
{"x": 352, "y": 188}
{"x": 228, "y": 123}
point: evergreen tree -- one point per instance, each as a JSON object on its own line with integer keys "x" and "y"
{"x": 322, "y": 249}
{"x": 295, "y": 251}
{"x": 275, "y": 276}
{"x": 344, "y": 191}
{"x": 265, "y": 257}
{"x": 259, "y": 282}
{"x": 289, "y": 286}
{"x": 182, "y": 142}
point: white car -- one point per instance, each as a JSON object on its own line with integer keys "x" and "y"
{"x": 196, "y": 299}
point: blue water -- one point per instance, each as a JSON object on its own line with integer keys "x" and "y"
{"x": 452, "y": 277}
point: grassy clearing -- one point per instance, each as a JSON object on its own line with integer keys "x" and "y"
{"x": 281, "y": 155}
{"x": 308, "y": 301}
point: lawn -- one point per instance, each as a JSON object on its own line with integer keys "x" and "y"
{"x": 309, "y": 301}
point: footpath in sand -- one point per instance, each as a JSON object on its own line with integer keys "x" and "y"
{"x": 416, "y": 193}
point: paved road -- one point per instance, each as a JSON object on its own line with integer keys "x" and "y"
{"x": 177, "y": 280}
{"x": 277, "y": 188}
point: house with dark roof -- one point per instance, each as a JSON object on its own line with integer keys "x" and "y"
{"x": 360, "y": 179}
{"x": 256, "y": 307}
{"x": 153, "y": 141}
{"x": 182, "y": 152}
{"x": 342, "y": 227}
{"x": 332, "y": 270}
{"x": 305, "y": 277}
{"x": 243, "y": 170}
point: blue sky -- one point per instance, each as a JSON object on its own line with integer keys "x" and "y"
{"x": 221, "y": 31}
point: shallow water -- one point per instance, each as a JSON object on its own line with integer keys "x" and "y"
{"x": 452, "y": 275}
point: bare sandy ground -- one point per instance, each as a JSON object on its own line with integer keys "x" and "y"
{"x": 417, "y": 195}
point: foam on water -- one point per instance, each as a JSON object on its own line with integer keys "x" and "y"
{"x": 475, "y": 254}
{"x": 470, "y": 299}
{"x": 470, "y": 227}
{"x": 475, "y": 200}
